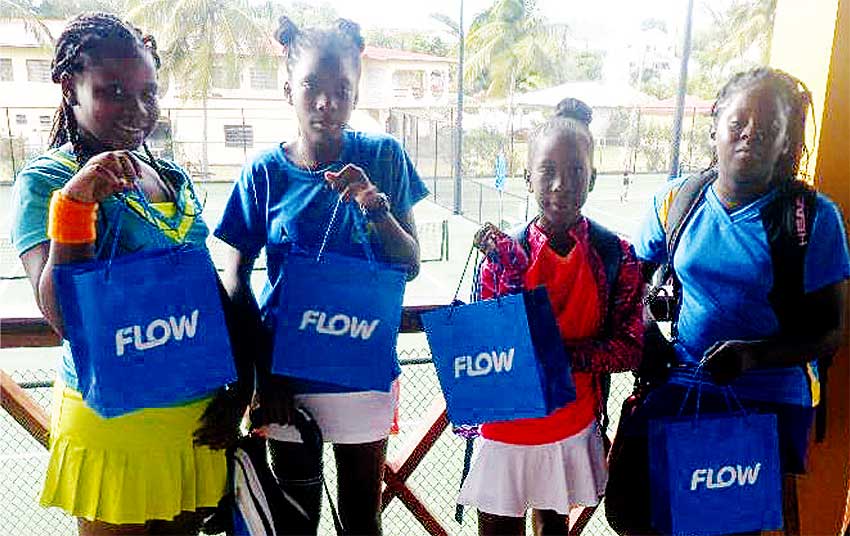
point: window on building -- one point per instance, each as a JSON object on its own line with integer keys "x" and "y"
{"x": 6, "y": 70}
{"x": 38, "y": 71}
{"x": 239, "y": 136}
{"x": 409, "y": 84}
{"x": 263, "y": 77}
{"x": 45, "y": 120}
{"x": 21, "y": 119}
{"x": 225, "y": 77}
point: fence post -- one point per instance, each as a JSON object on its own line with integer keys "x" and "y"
{"x": 171, "y": 136}
{"x": 436, "y": 155}
{"x": 691, "y": 138}
{"x": 480, "y": 200}
{"x": 404, "y": 130}
{"x": 244, "y": 141}
{"x": 11, "y": 146}
{"x": 526, "y": 205}
{"x": 416, "y": 141}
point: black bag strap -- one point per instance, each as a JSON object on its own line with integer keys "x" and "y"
{"x": 788, "y": 220}
{"x": 684, "y": 201}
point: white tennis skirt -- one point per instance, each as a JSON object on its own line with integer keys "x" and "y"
{"x": 344, "y": 418}
{"x": 507, "y": 480}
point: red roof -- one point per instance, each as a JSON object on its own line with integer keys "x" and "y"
{"x": 388, "y": 54}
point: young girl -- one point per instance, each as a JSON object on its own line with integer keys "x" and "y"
{"x": 138, "y": 473}
{"x": 284, "y": 200}
{"x": 557, "y": 462}
{"x": 763, "y": 340}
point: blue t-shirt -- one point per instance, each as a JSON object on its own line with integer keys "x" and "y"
{"x": 281, "y": 207}
{"x": 723, "y": 262}
{"x": 142, "y": 226}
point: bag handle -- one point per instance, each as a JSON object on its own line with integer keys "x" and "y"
{"x": 117, "y": 223}
{"x": 358, "y": 223}
{"x": 727, "y": 390}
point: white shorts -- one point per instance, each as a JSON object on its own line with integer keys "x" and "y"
{"x": 507, "y": 480}
{"x": 345, "y": 418}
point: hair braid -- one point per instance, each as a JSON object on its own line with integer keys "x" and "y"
{"x": 81, "y": 39}
{"x": 344, "y": 35}
{"x": 797, "y": 101}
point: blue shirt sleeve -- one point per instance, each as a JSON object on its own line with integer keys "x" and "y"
{"x": 827, "y": 259}
{"x": 243, "y": 223}
{"x": 650, "y": 243}
{"x": 400, "y": 180}
{"x": 31, "y": 194}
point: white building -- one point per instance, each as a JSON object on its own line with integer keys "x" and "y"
{"x": 245, "y": 113}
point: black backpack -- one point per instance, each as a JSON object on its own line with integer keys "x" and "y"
{"x": 274, "y": 488}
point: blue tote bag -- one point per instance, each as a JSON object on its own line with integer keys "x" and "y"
{"x": 715, "y": 474}
{"x": 146, "y": 329}
{"x": 500, "y": 359}
{"x": 337, "y": 319}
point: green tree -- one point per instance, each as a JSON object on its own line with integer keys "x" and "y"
{"x": 197, "y": 38}
{"x": 739, "y": 38}
{"x": 407, "y": 40}
{"x": 580, "y": 65}
{"x": 302, "y": 13}
{"x": 511, "y": 47}
{"x": 25, "y": 11}
{"x": 63, "y": 9}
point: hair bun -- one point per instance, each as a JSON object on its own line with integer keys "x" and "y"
{"x": 286, "y": 31}
{"x": 352, "y": 30}
{"x": 571, "y": 108}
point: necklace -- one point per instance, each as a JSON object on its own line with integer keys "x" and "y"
{"x": 299, "y": 157}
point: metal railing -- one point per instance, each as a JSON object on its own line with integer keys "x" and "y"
{"x": 424, "y": 459}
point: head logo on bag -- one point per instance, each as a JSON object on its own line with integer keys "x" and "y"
{"x": 725, "y": 476}
{"x": 484, "y": 363}
{"x": 158, "y": 332}
{"x": 338, "y": 325}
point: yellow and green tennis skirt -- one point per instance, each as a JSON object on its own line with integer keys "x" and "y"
{"x": 132, "y": 468}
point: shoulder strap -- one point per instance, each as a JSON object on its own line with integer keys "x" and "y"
{"x": 681, "y": 207}
{"x": 607, "y": 246}
{"x": 787, "y": 222}
{"x": 678, "y": 208}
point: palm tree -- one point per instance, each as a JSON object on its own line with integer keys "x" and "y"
{"x": 32, "y": 21}
{"x": 746, "y": 25}
{"x": 510, "y": 47}
{"x": 197, "y": 37}
{"x": 751, "y": 23}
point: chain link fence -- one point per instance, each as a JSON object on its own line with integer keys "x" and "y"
{"x": 627, "y": 140}
{"x": 435, "y": 481}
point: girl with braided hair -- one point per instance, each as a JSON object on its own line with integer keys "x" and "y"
{"x": 283, "y": 201}
{"x": 763, "y": 265}
{"x": 142, "y": 472}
